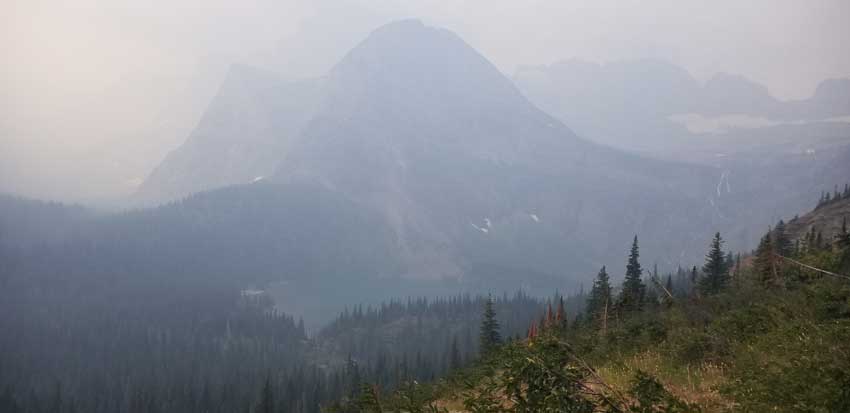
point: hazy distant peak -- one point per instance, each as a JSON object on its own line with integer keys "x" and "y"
{"x": 737, "y": 84}
{"x": 404, "y": 44}
{"x": 402, "y": 26}
{"x": 833, "y": 91}
{"x": 407, "y": 66}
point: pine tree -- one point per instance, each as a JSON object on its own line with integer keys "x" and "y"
{"x": 764, "y": 260}
{"x": 715, "y": 271}
{"x": 454, "y": 360}
{"x": 781, "y": 243}
{"x": 634, "y": 290}
{"x": 490, "y": 337}
{"x": 730, "y": 262}
{"x": 842, "y": 240}
{"x": 266, "y": 398}
{"x": 600, "y": 296}
{"x": 561, "y": 317}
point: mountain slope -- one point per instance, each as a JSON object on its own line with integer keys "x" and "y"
{"x": 241, "y": 137}
{"x": 772, "y": 338}
{"x": 826, "y": 220}
{"x": 431, "y": 134}
{"x": 775, "y": 156}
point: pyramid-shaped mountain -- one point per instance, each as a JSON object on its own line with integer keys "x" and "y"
{"x": 420, "y": 160}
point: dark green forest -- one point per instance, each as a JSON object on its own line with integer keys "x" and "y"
{"x": 753, "y": 331}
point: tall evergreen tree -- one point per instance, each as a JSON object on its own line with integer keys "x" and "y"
{"x": 266, "y": 398}
{"x": 716, "y": 269}
{"x": 634, "y": 290}
{"x": 843, "y": 238}
{"x": 490, "y": 336}
{"x": 561, "y": 316}
{"x": 730, "y": 262}
{"x": 599, "y": 300}
{"x": 782, "y": 244}
{"x": 454, "y": 359}
{"x": 764, "y": 260}
{"x": 842, "y": 242}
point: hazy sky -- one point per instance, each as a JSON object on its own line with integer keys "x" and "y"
{"x": 94, "y": 92}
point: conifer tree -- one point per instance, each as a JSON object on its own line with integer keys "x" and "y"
{"x": 715, "y": 271}
{"x": 634, "y": 290}
{"x": 266, "y": 398}
{"x": 842, "y": 240}
{"x": 490, "y": 337}
{"x": 561, "y": 317}
{"x": 764, "y": 260}
{"x": 730, "y": 262}
{"x": 600, "y": 296}
{"x": 454, "y": 360}
{"x": 782, "y": 244}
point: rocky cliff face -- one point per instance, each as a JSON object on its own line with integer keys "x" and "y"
{"x": 827, "y": 220}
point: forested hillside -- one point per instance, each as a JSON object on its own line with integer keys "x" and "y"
{"x": 151, "y": 344}
{"x": 766, "y": 331}
{"x": 737, "y": 332}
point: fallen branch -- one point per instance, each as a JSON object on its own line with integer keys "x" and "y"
{"x": 812, "y": 268}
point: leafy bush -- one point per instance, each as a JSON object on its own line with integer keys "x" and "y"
{"x": 651, "y": 397}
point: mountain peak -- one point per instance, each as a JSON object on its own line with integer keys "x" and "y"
{"x": 403, "y": 25}
{"x": 406, "y": 65}
{"x": 834, "y": 92}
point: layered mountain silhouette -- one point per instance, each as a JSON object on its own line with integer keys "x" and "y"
{"x": 628, "y": 104}
{"x": 776, "y": 156}
{"x": 416, "y": 126}
{"x": 413, "y": 162}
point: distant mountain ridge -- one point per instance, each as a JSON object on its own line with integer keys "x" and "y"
{"x": 631, "y": 104}
{"x": 668, "y": 89}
